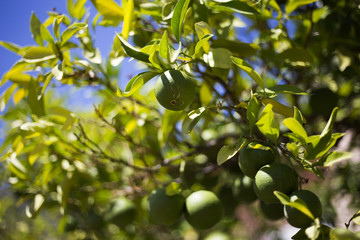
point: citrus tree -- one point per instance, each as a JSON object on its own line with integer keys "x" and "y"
{"x": 242, "y": 122}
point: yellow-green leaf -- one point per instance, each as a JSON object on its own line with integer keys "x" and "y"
{"x": 128, "y": 19}
{"x": 38, "y": 54}
{"x": 268, "y": 124}
{"x": 249, "y": 70}
{"x": 178, "y": 17}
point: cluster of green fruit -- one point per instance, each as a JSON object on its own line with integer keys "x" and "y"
{"x": 258, "y": 162}
{"x": 202, "y": 209}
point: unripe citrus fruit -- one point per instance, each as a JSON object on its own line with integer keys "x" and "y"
{"x": 122, "y": 212}
{"x": 272, "y": 211}
{"x": 203, "y": 209}
{"x": 253, "y": 157}
{"x": 298, "y": 219}
{"x": 217, "y": 236}
{"x": 173, "y": 91}
{"x": 165, "y": 209}
{"x": 274, "y": 177}
{"x": 245, "y": 190}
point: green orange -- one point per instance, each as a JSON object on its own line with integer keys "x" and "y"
{"x": 274, "y": 177}
{"x": 272, "y": 211}
{"x": 253, "y": 157}
{"x": 163, "y": 208}
{"x": 203, "y": 209}
{"x": 122, "y": 212}
{"x": 298, "y": 219}
{"x": 174, "y": 91}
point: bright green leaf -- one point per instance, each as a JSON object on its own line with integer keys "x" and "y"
{"x": 297, "y": 204}
{"x": 268, "y": 124}
{"x": 38, "y": 54}
{"x": 191, "y": 120}
{"x": 56, "y": 25}
{"x": 10, "y": 46}
{"x": 153, "y": 56}
{"x": 70, "y": 31}
{"x": 292, "y": 5}
{"x": 279, "y": 107}
{"x": 178, "y": 17}
{"x": 238, "y": 48}
{"x": 252, "y": 111}
{"x": 4, "y": 98}
{"x": 297, "y": 129}
{"x": 249, "y": 70}
{"x": 205, "y": 93}
{"x": 227, "y": 152}
{"x": 202, "y": 44}
{"x": 219, "y": 58}
{"x": 128, "y": 19}
{"x": 164, "y": 46}
{"x": 336, "y": 157}
{"x": 136, "y": 82}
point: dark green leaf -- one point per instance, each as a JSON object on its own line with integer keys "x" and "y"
{"x": 133, "y": 52}
{"x": 296, "y": 57}
{"x": 239, "y": 49}
{"x": 285, "y": 88}
{"x": 35, "y": 100}
{"x": 292, "y": 5}
{"x": 178, "y": 17}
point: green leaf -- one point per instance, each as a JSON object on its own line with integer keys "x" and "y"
{"x": 70, "y": 118}
{"x": 296, "y": 57}
{"x": 329, "y": 125}
{"x": 56, "y": 25}
{"x": 76, "y": 10}
{"x": 318, "y": 146}
{"x": 343, "y": 234}
{"x": 335, "y": 157}
{"x": 46, "y": 83}
{"x": 239, "y": 49}
{"x": 35, "y": 25}
{"x": 219, "y": 58}
{"x": 167, "y": 10}
{"x": 153, "y": 57}
{"x": 298, "y": 116}
{"x": 108, "y": 8}
{"x": 169, "y": 120}
{"x": 252, "y": 111}
{"x": 136, "y": 82}
{"x": 38, "y": 54}
{"x": 205, "y": 93}
{"x": 17, "y": 167}
{"x": 297, "y": 129}
{"x": 202, "y": 44}
{"x": 11, "y": 46}
{"x": 173, "y": 188}
{"x": 4, "y": 98}
{"x": 356, "y": 218}
{"x": 45, "y": 34}
{"x": 240, "y": 7}
{"x": 297, "y": 204}
{"x": 285, "y": 88}
{"x": 174, "y": 53}
{"x": 204, "y": 33}
{"x": 164, "y": 46}
{"x": 292, "y": 5}
{"x": 128, "y": 18}
{"x": 70, "y": 31}
{"x": 249, "y": 70}
{"x": 279, "y": 107}
{"x": 35, "y": 100}
{"x": 227, "y": 152}
{"x": 133, "y": 52}
{"x": 191, "y": 120}
{"x": 268, "y": 124}
{"x": 178, "y": 17}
